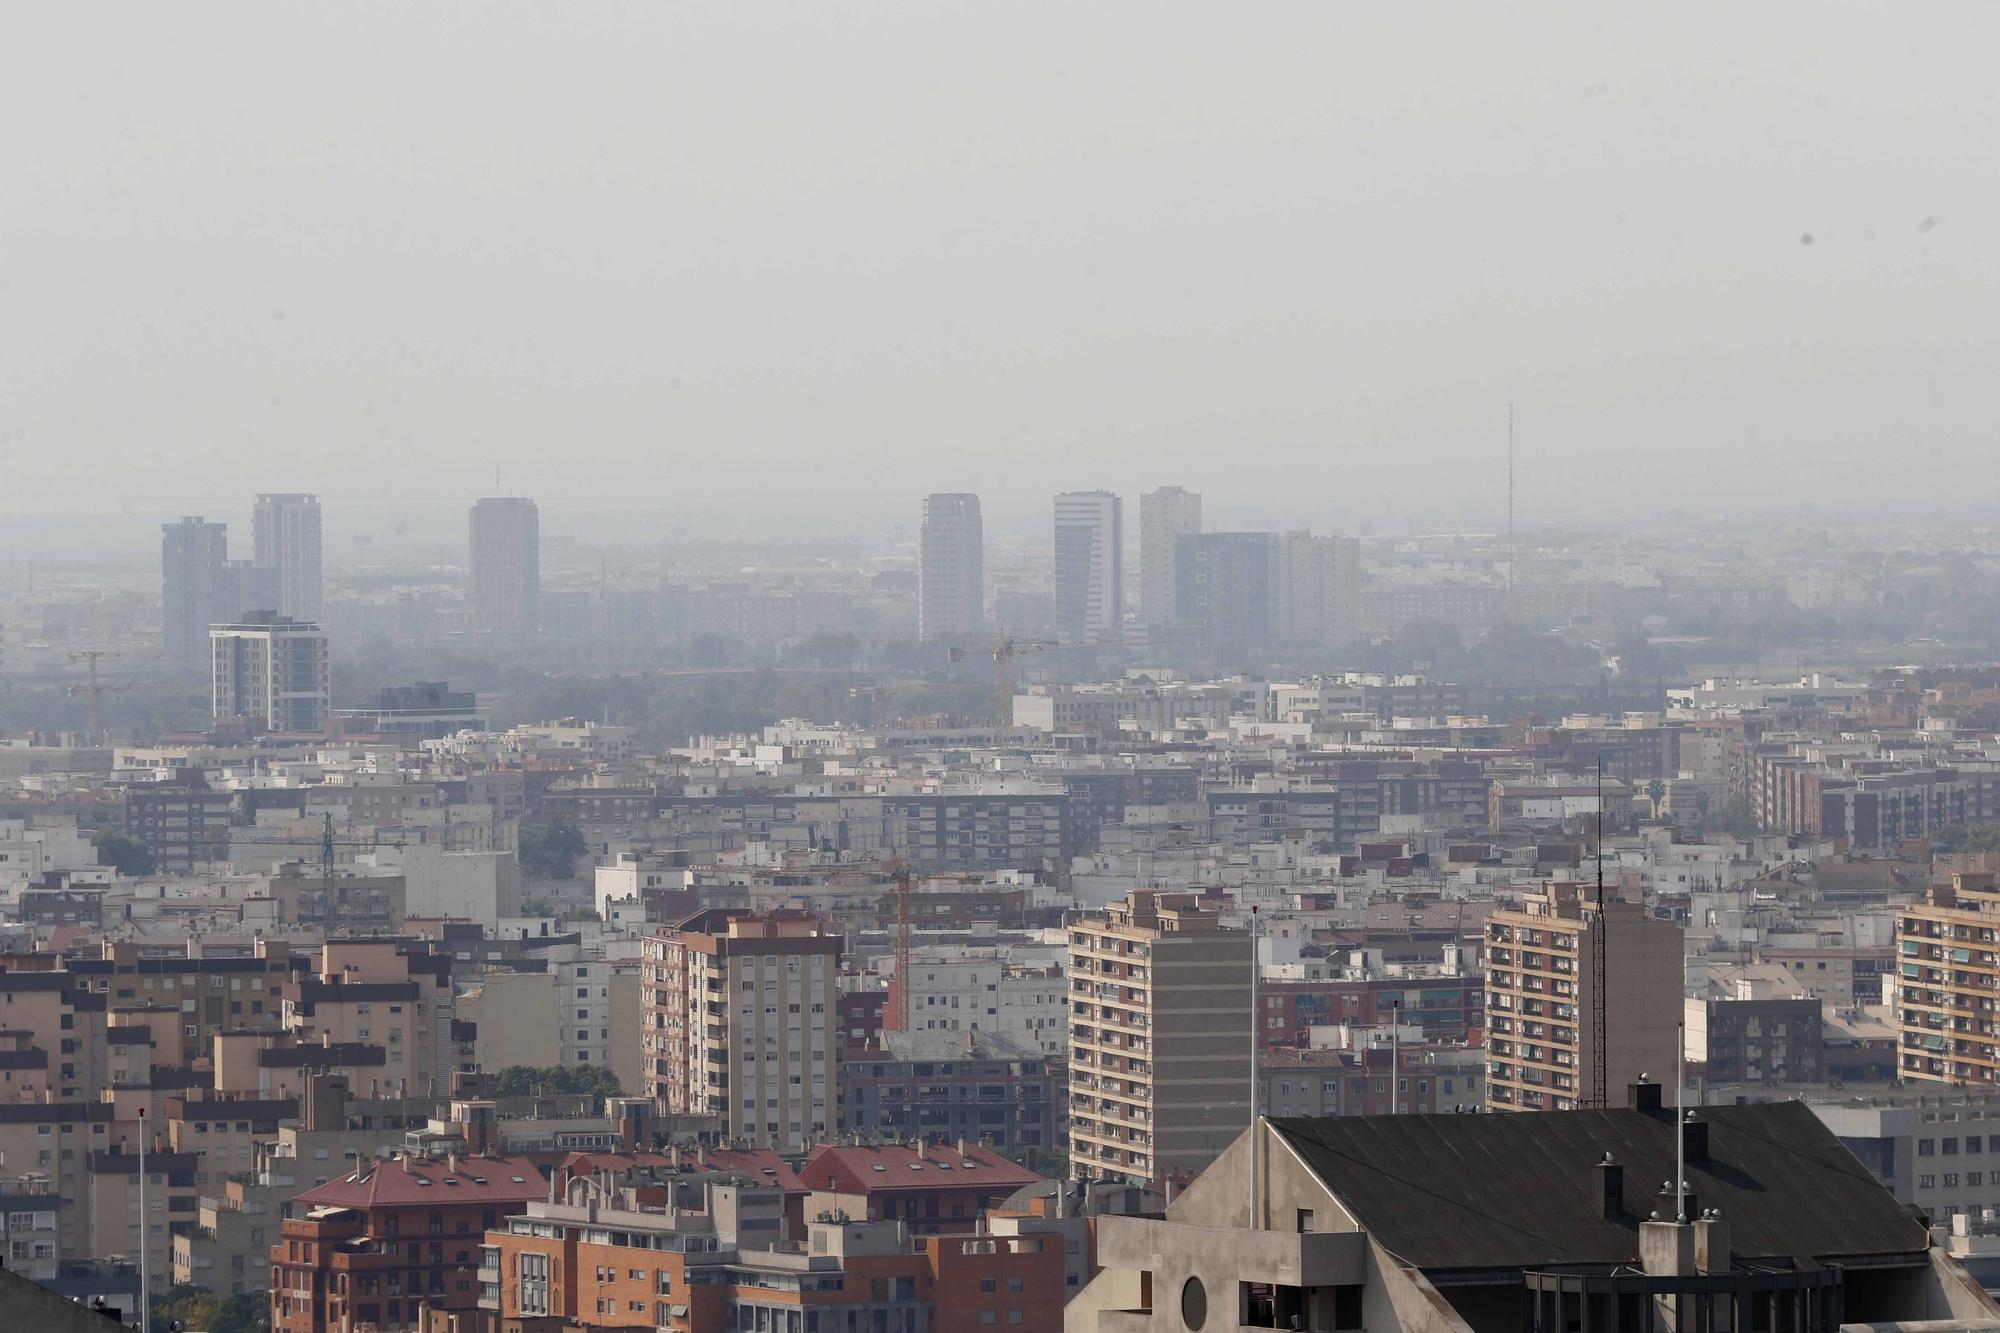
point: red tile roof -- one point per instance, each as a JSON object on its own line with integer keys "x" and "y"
{"x": 432, "y": 1182}
{"x": 882, "y": 1168}
{"x": 757, "y": 1163}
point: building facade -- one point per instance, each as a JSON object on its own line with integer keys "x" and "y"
{"x": 951, "y": 569}
{"x": 1159, "y": 1038}
{"x": 192, "y": 555}
{"x": 1165, "y": 516}
{"x": 285, "y": 530}
{"x": 741, "y": 1023}
{"x": 1545, "y": 999}
{"x": 1089, "y": 566}
{"x": 506, "y": 567}
{"x": 1226, "y": 584}
{"x": 1319, "y": 590}
{"x": 272, "y": 671}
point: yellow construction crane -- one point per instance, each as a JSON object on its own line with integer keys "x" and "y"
{"x": 1004, "y": 651}
{"x": 94, "y": 689}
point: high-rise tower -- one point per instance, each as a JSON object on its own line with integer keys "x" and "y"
{"x": 1090, "y": 566}
{"x": 506, "y": 567}
{"x": 285, "y": 531}
{"x": 1165, "y": 516}
{"x": 951, "y": 568}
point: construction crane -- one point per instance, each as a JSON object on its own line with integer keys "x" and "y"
{"x": 875, "y": 694}
{"x": 94, "y": 689}
{"x": 1004, "y": 651}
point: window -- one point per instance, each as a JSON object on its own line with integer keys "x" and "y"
{"x": 1951, "y": 1180}
{"x": 1951, "y": 1147}
{"x": 1926, "y": 1182}
{"x": 1926, "y": 1147}
{"x": 988, "y": 1285}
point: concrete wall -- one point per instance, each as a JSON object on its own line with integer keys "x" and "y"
{"x": 516, "y": 1013}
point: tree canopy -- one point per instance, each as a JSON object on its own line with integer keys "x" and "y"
{"x": 526, "y": 1080}
{"x": 550, "y": 850}
{"x": 127, "y": 855}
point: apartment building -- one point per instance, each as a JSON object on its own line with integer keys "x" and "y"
{"x": 1089, "y": 566}
{"x": 943, "y": 1085}
{"x": 373, "y": 1248}
{"x": 1546, "y": 999}
{"x": 951, "y": 569}
{"x": 1165, "y": 516}
{"x": 741, "y": 1023}
{"x": 372, "y": 993}
{"x": 285, "y": 531}
{"x": 506, "y": 564}
{"x": 1159, "y": 1037}
{"x": 272, "y": 671}
{"x": 714, "y": 1260}
{"x": 181, "y": 819}
{"x": 1022, "y": 1005}
{"x": 1948, "y": 966}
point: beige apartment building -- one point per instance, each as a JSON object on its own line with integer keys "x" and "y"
{"x": 1544, "y": 1002}
{"x": 371, "y": 993}
{"x": 742, "y": 1023}
{"x": 1947, "y": 969}
{"x": 1159, "y": 1038}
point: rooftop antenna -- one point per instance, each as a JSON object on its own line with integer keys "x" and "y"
{"x": 1256, "y": 1037}
{"x": 1597, "y": 954}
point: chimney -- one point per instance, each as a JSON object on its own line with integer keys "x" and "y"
{"x": 1694, "y": 1137}
{"x": 1643, "y": 1096}
{"x": 1610, "y": 1187}
{"x": 961, "y": 1145}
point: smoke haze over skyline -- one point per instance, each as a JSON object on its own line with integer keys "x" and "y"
{"x": 824, "y": 260}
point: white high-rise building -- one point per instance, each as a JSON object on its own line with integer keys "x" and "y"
{"x": 285, "y": 533}
{"x": 270, "y": 670}
{"x": 1319, "y": 589}
{"x": 1165, "y": 516}
{"x": 951, "y": 568}
{"x": 506, "y": 567}
{"x": 1090, "y": 566}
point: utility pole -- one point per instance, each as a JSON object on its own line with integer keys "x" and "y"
{"x": 145, "y": 1238}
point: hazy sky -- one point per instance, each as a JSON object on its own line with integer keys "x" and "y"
{"x": 802, "y": 258}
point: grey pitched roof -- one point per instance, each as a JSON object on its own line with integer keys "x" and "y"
{"x": 1520, "y": 1191}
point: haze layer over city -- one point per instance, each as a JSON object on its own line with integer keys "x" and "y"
{"x": 1098, "y": 668}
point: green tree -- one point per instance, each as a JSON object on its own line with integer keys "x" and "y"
{"x": 196, "y": 1307}
{"x": 565, "y": 1080}
{"x": 128, "y": 856}
{"x": 550, "y": 851}
{"x": 1968, "y": 838}
{"x": 248, "y": 1312}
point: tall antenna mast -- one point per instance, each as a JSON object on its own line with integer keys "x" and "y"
{"x": 1599, "y": 996}
{"x": 1511, "y": 552}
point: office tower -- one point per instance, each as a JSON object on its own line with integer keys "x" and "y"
{"x": 1159, "y": 1038}
{"x": 193, "y": 554}
{"x": 951, "y": 568}
{"x": 1545, "y": 999}
{"x": 1227, "y": 583}
{"x": 742, "y": 1023}
{"x": 1165, "y": 516}
{"x": 272, "y": 671}
{"x": 1090, "y": 567}
{"x": 1319, "y": 590}
{"x": 506, "y": 567}
{"x": 285, "y": 529}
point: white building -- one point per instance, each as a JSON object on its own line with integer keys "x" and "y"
{"x": 285, "y": 531}
{"x": 950, "y": 992}
{"x": 1165, "y": 516}
{"x": 951, "y": 568}
{"x": 271, "y": 670}
{"x": 1089, "y": 566}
